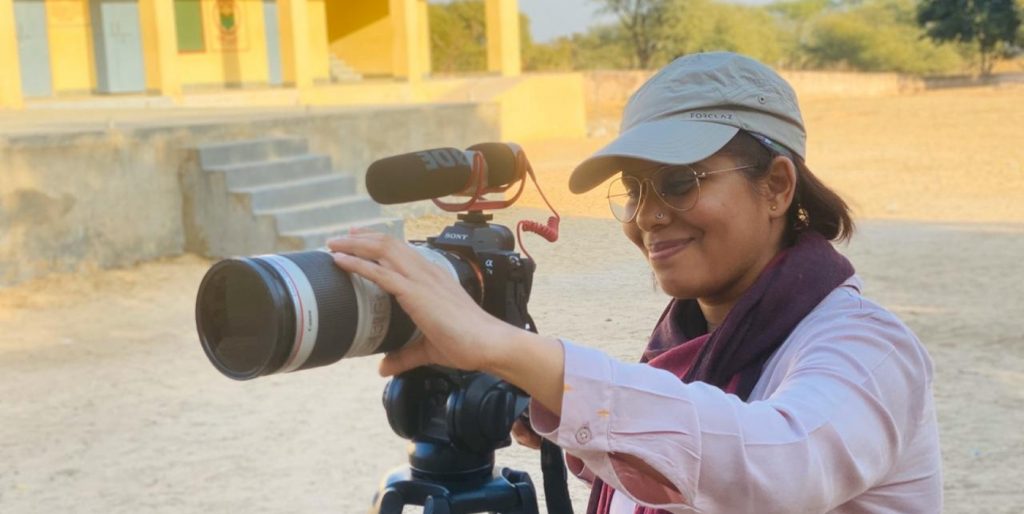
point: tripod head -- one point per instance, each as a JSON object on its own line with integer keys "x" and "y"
{"x": 455, "y": 420}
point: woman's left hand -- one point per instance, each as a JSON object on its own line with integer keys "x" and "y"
{"x": 457, "y": 332}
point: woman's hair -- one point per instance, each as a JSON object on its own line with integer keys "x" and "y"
{"x": 823, "y": 210}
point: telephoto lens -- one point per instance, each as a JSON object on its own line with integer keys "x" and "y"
{"x": 286, "y": 312}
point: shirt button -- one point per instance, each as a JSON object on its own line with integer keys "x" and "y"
{"x": 583, "y": 435}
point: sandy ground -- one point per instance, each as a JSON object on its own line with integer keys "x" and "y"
{"x": 108, "y": 405}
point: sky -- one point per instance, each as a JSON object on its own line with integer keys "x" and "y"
{"x": 550, "y": 19}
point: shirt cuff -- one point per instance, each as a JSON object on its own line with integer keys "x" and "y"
{"x": 586, "y": 429}
{"x": 585, "y": 416}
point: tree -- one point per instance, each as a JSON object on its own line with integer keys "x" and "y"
{"x": 797, "y": 18}
{"x": 878, "y": 35}
{"x": 989, "y": 24}
{"x": 708, "y": 25}
{"x": 458, "y": 37}
{"x": 553, "y": 56}
{"x": 602, "y": 47}
{"x": 643, "y": 22}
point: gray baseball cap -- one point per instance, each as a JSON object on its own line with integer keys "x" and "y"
{"x": 690, "y": 109}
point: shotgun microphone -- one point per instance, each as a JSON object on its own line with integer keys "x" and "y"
{"x": 439, "y": 172}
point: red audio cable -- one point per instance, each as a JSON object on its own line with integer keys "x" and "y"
{"x": 549, "y": 231}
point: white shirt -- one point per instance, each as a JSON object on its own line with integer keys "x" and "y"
{"x": 841, "y": 421}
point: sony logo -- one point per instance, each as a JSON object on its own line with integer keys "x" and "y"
{"x": 443, "y": 158}
{"x": 460, "y": 237}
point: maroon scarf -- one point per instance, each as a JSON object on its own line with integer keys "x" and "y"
{"x": 732, "y": 356}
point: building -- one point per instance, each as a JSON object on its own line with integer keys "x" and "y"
{"x": 168, "y": 48}
{"x": 349, "y": 78}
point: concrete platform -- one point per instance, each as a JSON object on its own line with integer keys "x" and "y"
{"x": 102, "y": 188}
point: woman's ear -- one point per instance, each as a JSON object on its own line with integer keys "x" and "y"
{"x": 780, "y": 185}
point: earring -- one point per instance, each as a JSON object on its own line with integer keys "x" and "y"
{"x": 774, "y": 207}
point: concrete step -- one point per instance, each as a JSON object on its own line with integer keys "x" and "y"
{"x": 238, "y": 152}
{"x": 324, "y": 213}
{"x": 296, "y": 192}
{"x": 316, "y": 237}
{"x": 276, "y": 171}
{"x": 342, "y": 72}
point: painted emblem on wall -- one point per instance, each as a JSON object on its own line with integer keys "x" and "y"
{"x": 227, "y": 22}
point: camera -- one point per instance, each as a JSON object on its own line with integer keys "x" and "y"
{"x": 280, "y": 313}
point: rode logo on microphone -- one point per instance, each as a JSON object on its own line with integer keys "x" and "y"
{"x": 443, "y": 158}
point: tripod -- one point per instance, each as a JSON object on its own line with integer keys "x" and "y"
{"x": 505, "y": 492}
{"x": 455, "y": 421}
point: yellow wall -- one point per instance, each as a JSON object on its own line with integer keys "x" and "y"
{"x": 318, "y": 50}
{"x": 544, "y": 106}
{"x": 10, "y": 81}
{"x": 241, "y": 59}
{"x": 160, "y": 47}
{"x": 72, "y": 64}
{"x": 360, "y": 32}
{"x": 531, "y": 106}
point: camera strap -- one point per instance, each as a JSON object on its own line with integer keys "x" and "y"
{"x": 556, "y": 479}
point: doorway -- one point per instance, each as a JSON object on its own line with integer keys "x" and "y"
{"x": 117, "y": 39}
{"x": 33, "y": 48}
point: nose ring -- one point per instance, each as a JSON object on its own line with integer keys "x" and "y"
{"x": 659, "y": 216}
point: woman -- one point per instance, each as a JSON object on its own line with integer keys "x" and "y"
{"x": 769, "y": 384}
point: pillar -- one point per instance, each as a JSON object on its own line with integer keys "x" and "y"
{"x": 296, "y": 64}
{"x": 424, "y": 36}
{"x": 407, "y": 57}
{"x": 503, "y": 37}
{"x": 160, "y": 47}
{"x": 10, "y": 79}
{"x": 319, "y": 53}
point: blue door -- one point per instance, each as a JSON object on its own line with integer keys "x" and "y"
{"x": 273, "y": 37}
{"x": 33, "y": 48}
{"x": 118, "y": 42}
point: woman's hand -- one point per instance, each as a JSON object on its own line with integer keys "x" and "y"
{"x": 524, "y": 434}
{"x": 457, "y": 332}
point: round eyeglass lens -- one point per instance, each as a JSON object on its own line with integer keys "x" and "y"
{"x": 677, "y": 186}
{"x": 624, "y": 197}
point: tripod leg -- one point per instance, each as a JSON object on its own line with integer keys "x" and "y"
{"x": 389, "y": 502}
{"x": 435, "y": 505}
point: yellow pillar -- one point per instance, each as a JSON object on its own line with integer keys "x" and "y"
{"x": 424, "y": 36}
{"x": 320, "y": 61}
{"x": 503, "y": 37}
{"x": 160, "y": 47}
{"x": 406, "y": 56}
{"x": 296, "y": 65}
{"x": 10, "y": 78}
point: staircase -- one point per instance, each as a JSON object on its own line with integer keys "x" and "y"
{"x": 342, "y": 72}
{"x": 268, "y": 196}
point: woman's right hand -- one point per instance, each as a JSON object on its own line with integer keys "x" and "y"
{"x": 457, "y": 333}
